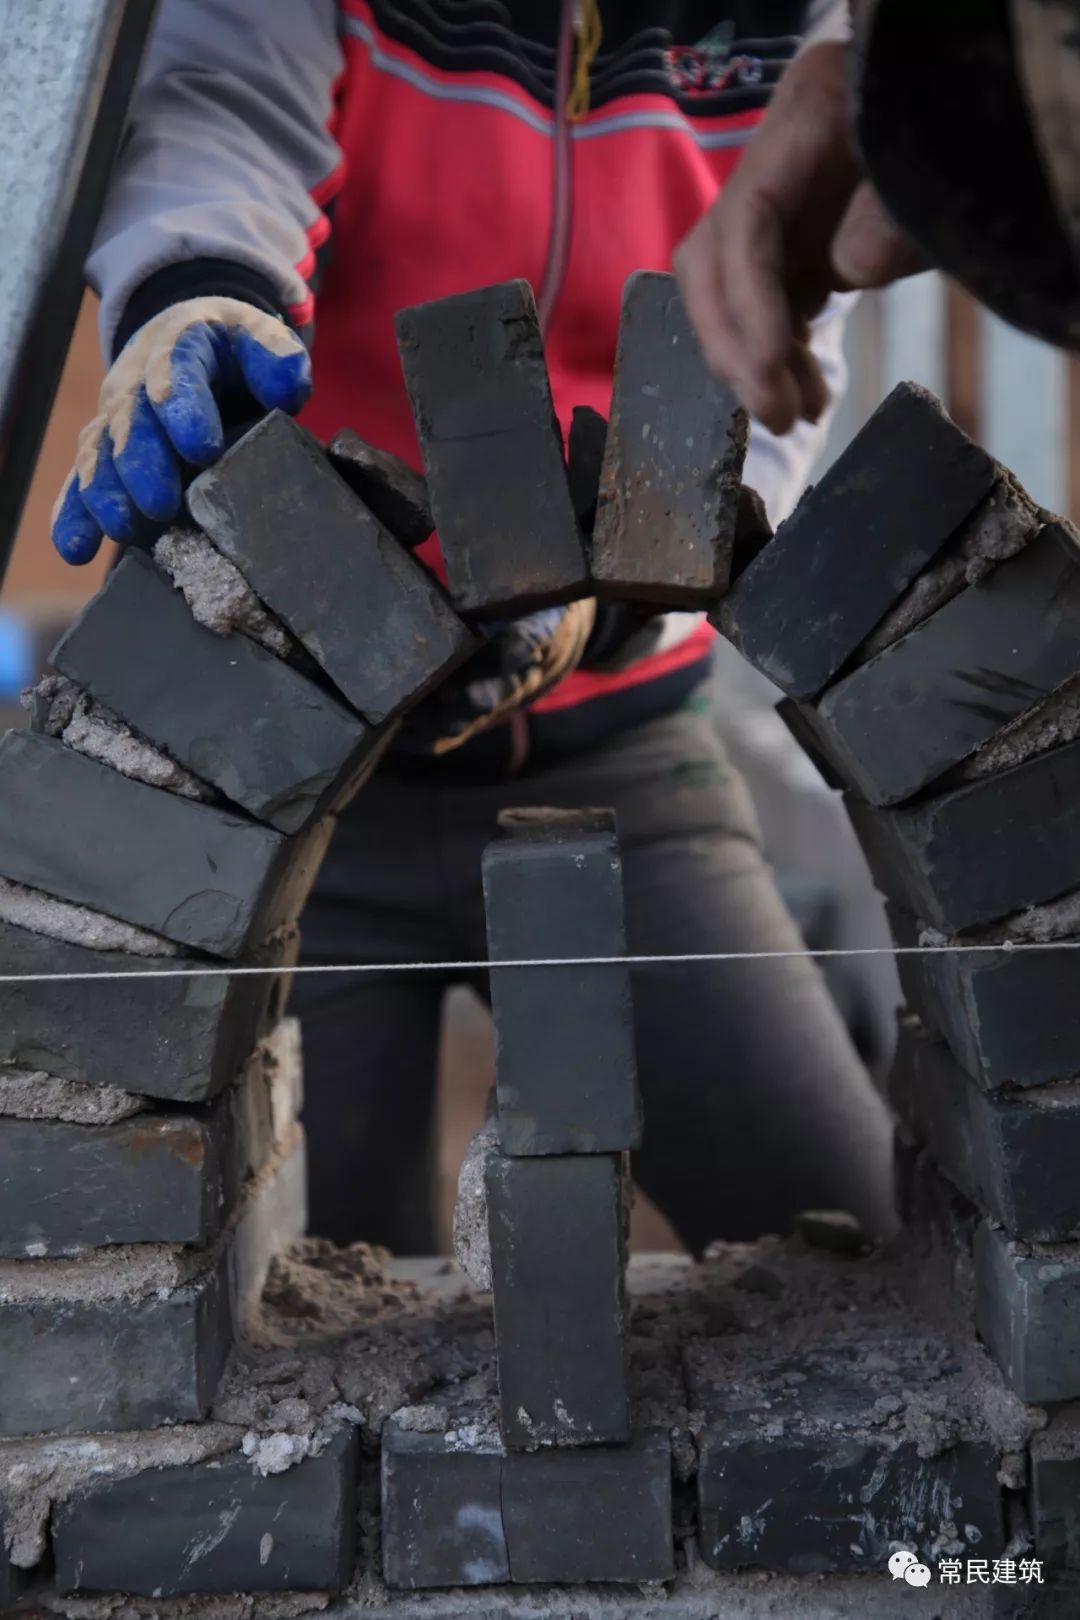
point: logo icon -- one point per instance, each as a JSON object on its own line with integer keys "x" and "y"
{"x": 904, "y": 1566}
{"x": 708, "y": 67}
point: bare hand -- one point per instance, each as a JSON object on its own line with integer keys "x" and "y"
{"x": 795, "y": 223}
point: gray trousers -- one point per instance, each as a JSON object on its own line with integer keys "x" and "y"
{"x": 756, "y": 1105}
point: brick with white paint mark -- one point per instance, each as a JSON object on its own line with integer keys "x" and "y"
{"x": 455, "y": 1514}
{"x": 217, "y": 1526}
{"x": 441, "y": 1512}
{"x": 804, "y": 1464}
{"x": 558, "y": 1257}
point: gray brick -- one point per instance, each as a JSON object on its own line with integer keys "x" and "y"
{"x": 441, "y": 1513}
{"x": 669, "y": 489}
{"x": 475, "y": 371}
{"x": 565, "y": 1060}
{"x": 977, "y": 853}
{"x": 1055, "y": 1491}
{"x": 935, "y": 696}
{"x": 181, "y": 1038}
{"x": 801, "y": 720}
{"x": 1013, "y": 1156}
{"x": 597, "y": 1513}
{"x": 808, "y": 1459}
{"x": 1028, "y": 1312}
{"x": 836, "y": 1501}
{"x": 109, "y": 1362}
{"x": 387, "y": 486}
{"x": 1009, "y": 1017}
{"x": 475, "y": 1517}
{"x": 162, "y": 1177}
{"x": 368, "y": 613}
{"x": 151, "y": 1179}
{"x": 78, "y": 830}
{"x": 264, "y": 735}
{"x": 558, "y": 1232}
{"x": 903, "y": 486}
{"x": 215, "y": 1527}
{"x": 584, "y": 459}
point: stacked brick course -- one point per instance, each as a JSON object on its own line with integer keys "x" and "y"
{"x": 163, "y": 818}
{"x": 951, "y": 721}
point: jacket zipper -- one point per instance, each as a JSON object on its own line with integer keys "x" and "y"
{"x": 562, "y": 172}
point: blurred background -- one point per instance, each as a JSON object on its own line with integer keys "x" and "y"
{"x": 1018, "y": 397}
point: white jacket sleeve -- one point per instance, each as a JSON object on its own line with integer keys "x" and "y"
{"x": 779, "y": 468}
{"x": 227, "y": 140}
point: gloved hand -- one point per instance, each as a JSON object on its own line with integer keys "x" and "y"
{"x": 522, "y": 659}
{"x": 160, "y": 408}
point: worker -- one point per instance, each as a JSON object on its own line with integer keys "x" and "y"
{"x": 293, "y": 168}
{"x": 990, "y": 194}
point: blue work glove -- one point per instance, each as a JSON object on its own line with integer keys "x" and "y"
{"x": 522, "y": 659}
{"x": 160, "y": 414}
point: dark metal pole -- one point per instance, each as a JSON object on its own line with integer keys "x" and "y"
{"x": 67, "y": 70}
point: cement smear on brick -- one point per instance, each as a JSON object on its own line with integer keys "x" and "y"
{"x": 36, "y": 1473}
{"x": 31, "y": 1094}
{"x": 63, "y": 710}
{"x": 1050, "y": 724}
{"x": 472, "y": 1245}
{"x": 1001, "y": 525}
{"x": 76, "y": 925}
{"x": 1035, "y": 925}
{"x": 217, "y": 593}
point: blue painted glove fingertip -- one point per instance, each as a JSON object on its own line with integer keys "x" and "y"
{"x": 76, "y": 535}
{"x": 280, "y": 382}
{"x": 148, "y": 466}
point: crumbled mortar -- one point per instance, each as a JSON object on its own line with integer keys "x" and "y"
{"x": 912, "y": 1374}
{"x": 238, "y": 1606}
{"x": 32, "y": 1094}
{"x": 1000, "y": 526}
{"x": 472, "y": 1246}
{"x": 343, "y": 1339}
{"x": 1035, "y": 925}
{"x": 218, "y": 595}
{"x": 338, "y": 1338}
{"x": 1054, "y": 721}
{"x": 76, "y": 925}
{"x": 1060, "y": 1440}
{"x": 425, "y": 1419}
{"x": 61, "y": 709}
{"x": 125, "y": 1271}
